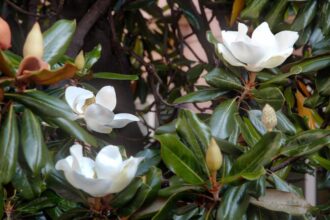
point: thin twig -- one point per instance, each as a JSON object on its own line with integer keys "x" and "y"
{"x": 284, "y": 164}
{"x": 21, "y": 10}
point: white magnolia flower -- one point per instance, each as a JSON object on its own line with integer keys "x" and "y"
{"x": 262, "y": 50}
{"x": 97, "y": 111}
{"x": 107, "y": 174}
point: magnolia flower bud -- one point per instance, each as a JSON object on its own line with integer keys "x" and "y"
{"x": 268, "y": 117}
{"x": 80, "y": 60}
{"x": 213, "y": 156}
{"x": 33, "y": 45}
{"x": 5, "y": 35}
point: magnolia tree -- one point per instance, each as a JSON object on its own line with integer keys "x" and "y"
{"x": 268, "y": 119}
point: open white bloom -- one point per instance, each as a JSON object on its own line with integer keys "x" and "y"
{"x": 107, "y": 174}
{"x": 262, "y": 50}
{"x": 97, "y": 111}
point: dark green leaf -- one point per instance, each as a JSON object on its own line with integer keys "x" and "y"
{"x": 92, "y": 56}
{"x": 41, "y": 103}
{"x": 123, "y": 197}
{"x": 180, "y": 159}
{"x": 305, "y": 16}
{"x": 253, "y": 10}
{"x": 200, "y": 96}
{"x": 27, "y": 186}
{"x": 223, "y": 80}
{"x": 114, "y": 76}
{"x": 222, "y": 122}
{"x": 9, "y": 141}
{"x": 57, "y": 39}
{"x": 195, "y": 134}
{"x": 234, "y": 203}
{"x": 194, "y": 73}
{"x": 249, "y": 133}
{"x": 32, "y": 140}
{"x": 73, "y": 128}
{"x": 271, "y": 95}
{"x": 306, "y": 142}
{"x": 151, "y": 158}
{"x": 323, "y": 84}
{"x": 250, "y": 164}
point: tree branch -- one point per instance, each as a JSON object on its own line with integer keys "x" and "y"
{"x": 86, "y": 23}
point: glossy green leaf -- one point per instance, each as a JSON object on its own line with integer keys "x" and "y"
{"x": 32, "y": 141}
{"x": 325, "y": 163}
{"x": 223, "y": 80}
{"x": 73, "y": 128}
{"x": 249, "y": 133}
{"x": 234, "y": 203}
{"x": 136, "y": 202}
{"x": 275, "y": 15}
{"x": 306, "y": 142}
{"x": 153, "y": 180}
{"x": 57, "y": 39}
{"x": 9, "y": 142}
{"x": 284, "y": 186}
{"x": 312, "y": 64}
{"x": 325, "y": 18}
{"x": 195, "y": 134}
{"x": 323, "y": 84}
{"x": 177, "y": 185}
{"x": 92, "y": 56}
{"x": 222, "y": 121}
{"x": 151, "y": 158}
{"x": 180, "y": 159}
{"x": 194, "y": 73}
{"x": 114, "y": 76}
{"x": 167, "y": 210}
{"x": 6, "y": 67}
{"x": 41, "y": 103}
{"x": 202, "y": 95}
{"x": 271, "y": 95}
{"x": 27, "y": 186}
{"x": 123, "y": 197}
{"x": 305, "y": 16}
{"x": 250, "y": 164}
{"x": 253, "y": 10}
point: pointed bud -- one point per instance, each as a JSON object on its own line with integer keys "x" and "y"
{"x": 213, "y": 156}
{"x": 5, "y": 35}
{"x": 80, "y": 60}
{"x": 33, "y": 45}
{"x": 268, "y": 117}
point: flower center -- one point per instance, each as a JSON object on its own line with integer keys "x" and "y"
{"x": 88, "y": 102}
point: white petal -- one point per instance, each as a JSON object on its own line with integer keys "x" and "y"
{"x": 242, "y": 33}
{"x": 107, "y": 97}
{"x": 122, "y": 119}
{"x": 126, "y": 175}
{"x": 253, "y": 67}
{"x": 263, "y": 36}
{"x": 286, "y": 39}
{"x": 108, "y": 162}
{"x": 81, "y": 164}
{"x": 276, "y": 60}
{"x": 229, "y": 36}
{"x": 94, "y": 187}
{"x": 64, "y": 164}
{"x": 246, "y": 52}
{"x": 72, "y": 92}
{"x": 98, "y": 118}
{"x": 228, "y": 56}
